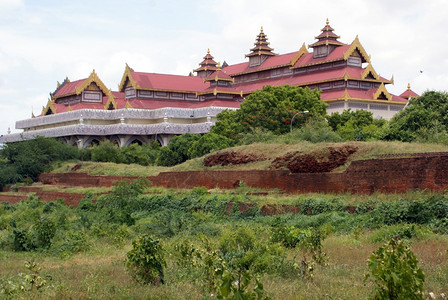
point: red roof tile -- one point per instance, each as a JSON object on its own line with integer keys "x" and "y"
{"x": 154, "y": 81}
{"x": 273, "y": 61}
{"x": 409, "y": 93}
{"x": 336, "y": 54}
{"x": 68, "y": 88}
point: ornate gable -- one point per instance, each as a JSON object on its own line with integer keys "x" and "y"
{"x": 127, "y": 80}
{"x": 370, "y": 73}
{"x": 49, "y": 109}
{"x": 356, "y": 49}
{"x": 382, "y": 93}
{"x": 299, "y": 54}
{"x": 93, "y": 83}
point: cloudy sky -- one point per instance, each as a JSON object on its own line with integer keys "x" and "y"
{"x": 42, "y": 42}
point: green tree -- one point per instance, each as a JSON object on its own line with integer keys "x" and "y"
{"x": 270, "y": 108}
{"x": 425, "y": 118}
{"x": 107, "y": 152}
{"x": 31, "y": 158}
{"x": 140, "y": 154}
{"x": 209, "y": 142}
{"x": 356, "y": 125}
{"x": 395, "y": 270}
{"x": 177, "y": 150}
{"x": 146, "y": 262}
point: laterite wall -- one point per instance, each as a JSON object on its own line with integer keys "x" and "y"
{"x": 363, "y": 177}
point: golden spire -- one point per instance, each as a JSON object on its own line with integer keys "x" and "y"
{"x": 208, "y": 50}
{"x": 328, "y": 22}
{"x": 261, "y": 30}
{"x": 409, "y": 86}
{"x": 219, "y": 65}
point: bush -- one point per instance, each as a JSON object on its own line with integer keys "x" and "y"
{"x": 145, "y": 262}
{"x": 31, "y": 158}
{"x": 209, "y": 142}
{"x": 107, "y": 152}
{"x": 395, "y": 271}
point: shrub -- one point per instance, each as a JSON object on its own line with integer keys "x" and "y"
{"x": 45, "y": 230}
{"x": 209, "y": 142}
{"x": 145, "y": 262}
{"x": 106, "y": 152}
{"x": 395, "y": 270}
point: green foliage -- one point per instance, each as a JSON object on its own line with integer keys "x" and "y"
{"x": 71, "y": 242}
{"x": 395, "y": 271}
{"x": 424, "y": 119}
{"x": 45, "y": 230}
{"x": 28, "y": 159}
{"x": 140, "y": 154}
{"x": 177, "y": 151}
{"x": 316, "y": 130}
{"x": 271, "y": 108}
{"x": 356, "y": 125}
{"x": 106, "y": 152}
{"x": 146, "y": 262}
{"x": 236, "y": 285}
{"x": 25, "y": 283}
{"x": 207, "y": 143}
{"x": 118, "y": 206}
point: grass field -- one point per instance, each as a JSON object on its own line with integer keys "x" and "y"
{"x": 86, "y": 253}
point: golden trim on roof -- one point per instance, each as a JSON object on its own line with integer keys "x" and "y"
{"x": 369, "y": 69}
{"x": 69, "y": 108}
{"x": 127, "y": 75}
{"x": 92, "y": 78}
{"x": 356, "y": 45}
{"x": 299, "y": 54}
{"x": 215, "y": 92}
{"x": 112, "y": 101}
{"x": 382, "y": 89}
{"x": 49, "y": 106}
{"x": 128, "y": 105}
{"x": 346, "y": 95}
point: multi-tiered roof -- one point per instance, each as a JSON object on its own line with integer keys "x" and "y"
{"x": 342, "y": 73}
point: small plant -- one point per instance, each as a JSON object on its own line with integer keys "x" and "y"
{"x": 236, "y": 285}
{"x": 395, "y": 270}
{"x": 25, "y": 282}
{"x": 145, "y": 262}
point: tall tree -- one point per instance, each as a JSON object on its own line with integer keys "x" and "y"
{"x": 272, "y": 109}
{"x": 424, "y": 118}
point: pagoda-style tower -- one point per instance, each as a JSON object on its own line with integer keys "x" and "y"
{"x": 327, "y": 41}
{"x": 207, "y": 66}
{"x": 261, "y": 51}
{"x": 221, "y": 87}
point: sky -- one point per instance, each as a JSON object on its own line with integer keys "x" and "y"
{"x": 43, "y": 42}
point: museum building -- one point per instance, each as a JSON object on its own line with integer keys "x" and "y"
{"x": 151, "y": 106}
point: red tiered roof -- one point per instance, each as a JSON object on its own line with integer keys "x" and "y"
{"x": 261, "y": 46}
{"x": 208, "y": 63}
{"x": 327, "y": 37}
{"x": 409, "y": 93}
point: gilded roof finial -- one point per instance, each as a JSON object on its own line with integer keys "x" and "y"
{"x": 328, "y": 22}
{"x": 261, "y": 30}
{"x": 219, "y": 65}
{"x": 409, "y": 86}
{"x": 208, "y": 50}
